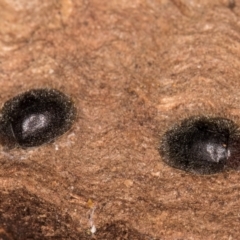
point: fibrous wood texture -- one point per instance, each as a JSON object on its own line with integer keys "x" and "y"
{"x": 133, "y": 68}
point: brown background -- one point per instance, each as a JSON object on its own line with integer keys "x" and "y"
{"x": 133, "y": 68}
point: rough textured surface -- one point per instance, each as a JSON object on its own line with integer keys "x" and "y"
{"x": 134, "y": 68}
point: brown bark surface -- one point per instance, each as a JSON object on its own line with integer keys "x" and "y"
{"x": 133, "y": 68}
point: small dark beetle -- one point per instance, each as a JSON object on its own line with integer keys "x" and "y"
{"x": 200, "y": 145}
{"x": 36, "y": 117}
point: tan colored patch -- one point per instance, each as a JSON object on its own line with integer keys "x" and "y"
{"x": 134, "y": 68}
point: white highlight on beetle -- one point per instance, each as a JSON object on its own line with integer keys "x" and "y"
{"x": 216, "y": 152}
{"x": 33, "y": 123}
